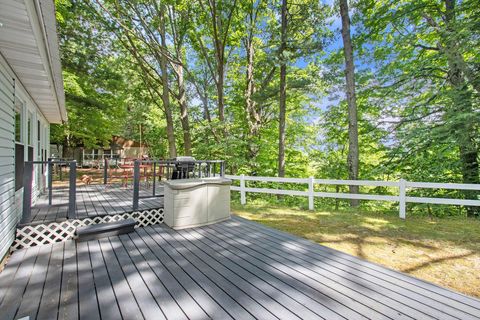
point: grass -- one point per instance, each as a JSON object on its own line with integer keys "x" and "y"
{"x": 444, "y": 251}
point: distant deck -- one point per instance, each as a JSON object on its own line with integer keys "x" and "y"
{"x": 235, "y": 269}
{"x": 91, "y": 200}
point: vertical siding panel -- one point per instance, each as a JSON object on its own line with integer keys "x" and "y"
{"x": 8, "y": 211}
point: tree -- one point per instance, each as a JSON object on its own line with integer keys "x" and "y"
{"x": 215, "y": 19}
{"x": 351, "y": 100}
{"x": 96, "y": 108}
{"x": 283, "y": 90}
{"x": 179, "y": 25}
{"x": 425, "y": 52}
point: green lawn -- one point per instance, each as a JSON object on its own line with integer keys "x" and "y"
{"x": 444, "y": 251}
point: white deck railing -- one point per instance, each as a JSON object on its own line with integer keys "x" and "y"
{"x": 401, "y": 186}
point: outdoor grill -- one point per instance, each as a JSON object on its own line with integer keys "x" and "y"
{"x": 183, "y": 167}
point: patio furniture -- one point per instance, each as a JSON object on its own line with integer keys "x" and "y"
{"x": 127, "y": 173}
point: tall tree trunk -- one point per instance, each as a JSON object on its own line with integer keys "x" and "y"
{"x": 172, "y": 149}
{"x": 353, "y": 152}
{"x": 465, "y": 132}
{"x": 252, "y": 114}
{"x": 283, "y": 92}
{"x": 206, "y": 112}
{"x": 187, "y": 141}
{"x": 253, "y": 117}
{"x": 220, "y": 85}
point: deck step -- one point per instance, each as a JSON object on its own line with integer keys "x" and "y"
{"x": 102, "y": 230}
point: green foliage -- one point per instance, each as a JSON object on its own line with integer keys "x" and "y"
{"x": 417, "y": 84}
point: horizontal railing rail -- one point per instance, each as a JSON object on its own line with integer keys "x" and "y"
{"x": 401, "y": 185}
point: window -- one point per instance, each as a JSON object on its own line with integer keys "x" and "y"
{"x": 29, "y": 129}
{"x": 39, "y": 139}
{"x": 18, "y": 125}
{"x": 19, "y": 165}
{"x": 19, "y": 148}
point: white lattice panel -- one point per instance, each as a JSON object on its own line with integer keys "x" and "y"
{"x": 30, "y": 236}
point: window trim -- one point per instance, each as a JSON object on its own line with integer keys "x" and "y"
{"x": 19, "y": 108}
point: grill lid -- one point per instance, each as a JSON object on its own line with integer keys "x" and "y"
{"x": 184, "y": 159}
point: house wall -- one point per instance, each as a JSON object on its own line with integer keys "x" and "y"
{"x": 14, "y": 96}
{"x": 8, "y": 214}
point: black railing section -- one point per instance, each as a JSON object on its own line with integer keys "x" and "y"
{"x": 172, "y": 169}
{"x": 50, "y": 165}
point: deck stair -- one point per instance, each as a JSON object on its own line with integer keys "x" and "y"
{"x": 102, "y": 230}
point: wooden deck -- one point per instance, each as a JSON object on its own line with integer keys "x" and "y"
{"x": 235, "y": 269}
{"x": 92, "y": 200}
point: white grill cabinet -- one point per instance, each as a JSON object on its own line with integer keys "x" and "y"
{"x": 196, "y": 202}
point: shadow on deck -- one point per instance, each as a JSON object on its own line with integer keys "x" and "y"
{"x": 92, "y": 200}
{"x": 235, "y": 269}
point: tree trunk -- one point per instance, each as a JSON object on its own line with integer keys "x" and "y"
{"x": 465, "y": 132}
{"x": 206, "y": 112}
{"x": 353, "y": 152}
{"x": 220, "y": 83}
{"x": 253, "y": 118}
{"x": 252, "y": 115}
{"x": 182, "y": 101}
{"x": 172, "y": 149}
{"x": 283, "y": 92}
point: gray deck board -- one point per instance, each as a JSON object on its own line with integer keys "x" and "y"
{"x": 234, "y": 269}
{"x": 392, "y": 294}
{"x": 33, "y": 292}
{"x": 338, "y": 303}
{"x": 11, "y": 301}
{"x": 126, "y": 300}
{"x": 231, "y": 306}
{"x": 8, "y": 274}
{"x": 246, "y": 295}
{"x": 51, "y": 291}
{"x": 185, "y": 302}
{"x": 87, "y": 297}
{"x": 146, "y": 302}
{"x": 377, "y": 299}
{"x": 107, "y": 301}
{"x": 201, "y": 297}
{"x": 397, "y": 279}
{"x": 248, "y": 288}
{"x": 152, "y": 282}
{"x": 295, "y": 301}
{"x": 68, "y": 308}
{"x": 91, "y": 201}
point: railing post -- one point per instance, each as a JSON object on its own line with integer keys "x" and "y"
{"x": 105, "y": 170}
{"x": 243, "y": 198}
{"x": 136, "y": 184}
{"x": 222, "y": 169}
{"x": 402, "y": 198}
{"x": 154, "y": 178}
{"x": 72, "y": 192}
{"x": 27, "y": 191}
{"x": 311, "y": 205}
{"x": 50, "y": 181}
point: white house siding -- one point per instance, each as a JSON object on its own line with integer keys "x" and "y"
{"x": 11, "y": 92}
{"x": 30, "y": 82}
{"x": 8, "y": 212}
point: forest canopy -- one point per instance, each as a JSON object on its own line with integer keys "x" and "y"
{"x": 361, "y": 89}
